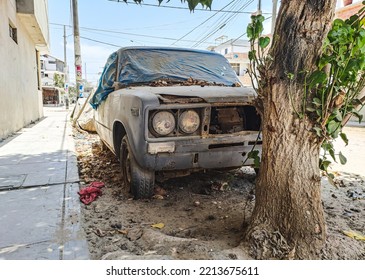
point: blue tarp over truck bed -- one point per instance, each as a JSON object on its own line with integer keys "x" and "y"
{"x": 142, "y": 65}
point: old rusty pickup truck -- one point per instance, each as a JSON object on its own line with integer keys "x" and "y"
{"x": 173, "y": 111}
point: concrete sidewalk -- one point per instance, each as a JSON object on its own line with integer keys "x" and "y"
{"x": 39, "y": 206}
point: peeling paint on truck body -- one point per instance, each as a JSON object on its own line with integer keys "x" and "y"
{"x": 201, "y": 126}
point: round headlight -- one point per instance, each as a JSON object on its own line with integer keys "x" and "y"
{"x": 163, "y": 123}
{"x": 189, "y": 121}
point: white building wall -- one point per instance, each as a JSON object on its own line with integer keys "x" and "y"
{"x": 20, "y": 99}
{"x": 41, "y": 13}
{"x": 50, "y": 65}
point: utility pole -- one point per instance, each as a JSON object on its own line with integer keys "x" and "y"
{"x": 259, "y": 7}
{"x": 273, "y": 18}
{"x": 85, "y": 73}
{"x": 65, "y": 66}
{"x": 77, "y": 49}
{"x": 65, "y": 54}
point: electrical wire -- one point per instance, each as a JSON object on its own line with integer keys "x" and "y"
{"x": 223, "y": 23}
{"x": 219, "y": 23}
{"x": 184, "y": 8}
{"x": 197, "y": 42}
{"x": 100, "y": 42}
{"x": 201, "y": 24}
{"x": 123, "y": 33}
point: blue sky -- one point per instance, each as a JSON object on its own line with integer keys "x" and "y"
{"x": 119, "y": 24}
{"x": 142, "y": 25}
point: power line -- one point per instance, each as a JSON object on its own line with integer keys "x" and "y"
{"x": 125, "y": 33}
{"x": 100, "y": 42}
{"x": 222, "y": 23}
{"x": 200, "y": 24}
{"x": 218, "y": 24}
{"x": 184, "y": 8}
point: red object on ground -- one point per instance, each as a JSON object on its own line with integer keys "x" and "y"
{"x": 91, "y": 192}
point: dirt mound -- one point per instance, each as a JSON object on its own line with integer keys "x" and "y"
{"x": 200, "y": 216}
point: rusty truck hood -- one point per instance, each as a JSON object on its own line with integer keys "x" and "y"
{"x": 210, "y": 94}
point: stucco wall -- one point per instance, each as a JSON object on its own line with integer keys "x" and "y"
{"x": 41, "y": 13}
{"x": 19, "y": 95}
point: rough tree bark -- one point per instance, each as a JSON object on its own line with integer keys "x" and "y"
{"x": 288, "y": 220}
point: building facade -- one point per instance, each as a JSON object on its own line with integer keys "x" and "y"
{"x": 236, "y": 52}
{"x": 53, "y": 93}
{"x": 24, "y": 35}
{"x": 50, "y": 66}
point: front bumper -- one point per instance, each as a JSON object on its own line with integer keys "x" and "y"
{"x": 194, "y": 154}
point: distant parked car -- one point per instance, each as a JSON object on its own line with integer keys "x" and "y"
{"x": 172, "y": 111}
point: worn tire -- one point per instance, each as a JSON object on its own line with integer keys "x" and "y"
{"x": 139, "y": 180}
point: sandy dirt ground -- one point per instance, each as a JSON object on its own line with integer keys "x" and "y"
{"x": 354, "y": 152}
{"x": 200, "y": 216}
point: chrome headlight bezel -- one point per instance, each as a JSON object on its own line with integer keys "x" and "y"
{"x": 189, "y": 121}
{"x": 163, "y": 122}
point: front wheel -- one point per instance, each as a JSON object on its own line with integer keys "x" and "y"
{"x": 139, "y": 180}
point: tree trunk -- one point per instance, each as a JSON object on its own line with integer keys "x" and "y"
{"x": 288, "y": 220}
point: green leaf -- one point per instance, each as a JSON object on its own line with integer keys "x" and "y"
{"x": 253, "y": 153}
{"x": 318, "y": 131}
{"x": 256, "y": 162}
{"x": 332, "y": 127}
{"x": 344, "y": 138}
{"x": 260, "y": 18}
{"x": 250, "y": 31}
{"x": 358, "y": 115}
{"x": 290, "y": 76}
{"x": 255, "y": 27}
{"x": 337, "y": 114}
{"x": 331, "y": 178}
{"x": 352, "y": 19}
{"x": 332, "y": 153}
{"x": 338, "y": 22}
{"x": 356, "y": 102}
{"x": 317, "y": 77}
{"x": 310, "y": 109}
{"x": 252, "y": 55}
{"x": 255, "y": 156}
{"x": 343, "y": 159}
{"x": 317, "y": 101}
{"x": 324, "y": 164}
{"x": 192, "y": 4}
{"x": 324, "y": 60}
{"x": 327, "y": 146}
{"x": 264, "y": 42}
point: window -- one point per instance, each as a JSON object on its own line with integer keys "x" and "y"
{"x": 225, "y": 51}
{"x": 236, "y": 68}
{"x": 13, "y": 32}
{"x": 38, "y": 69}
